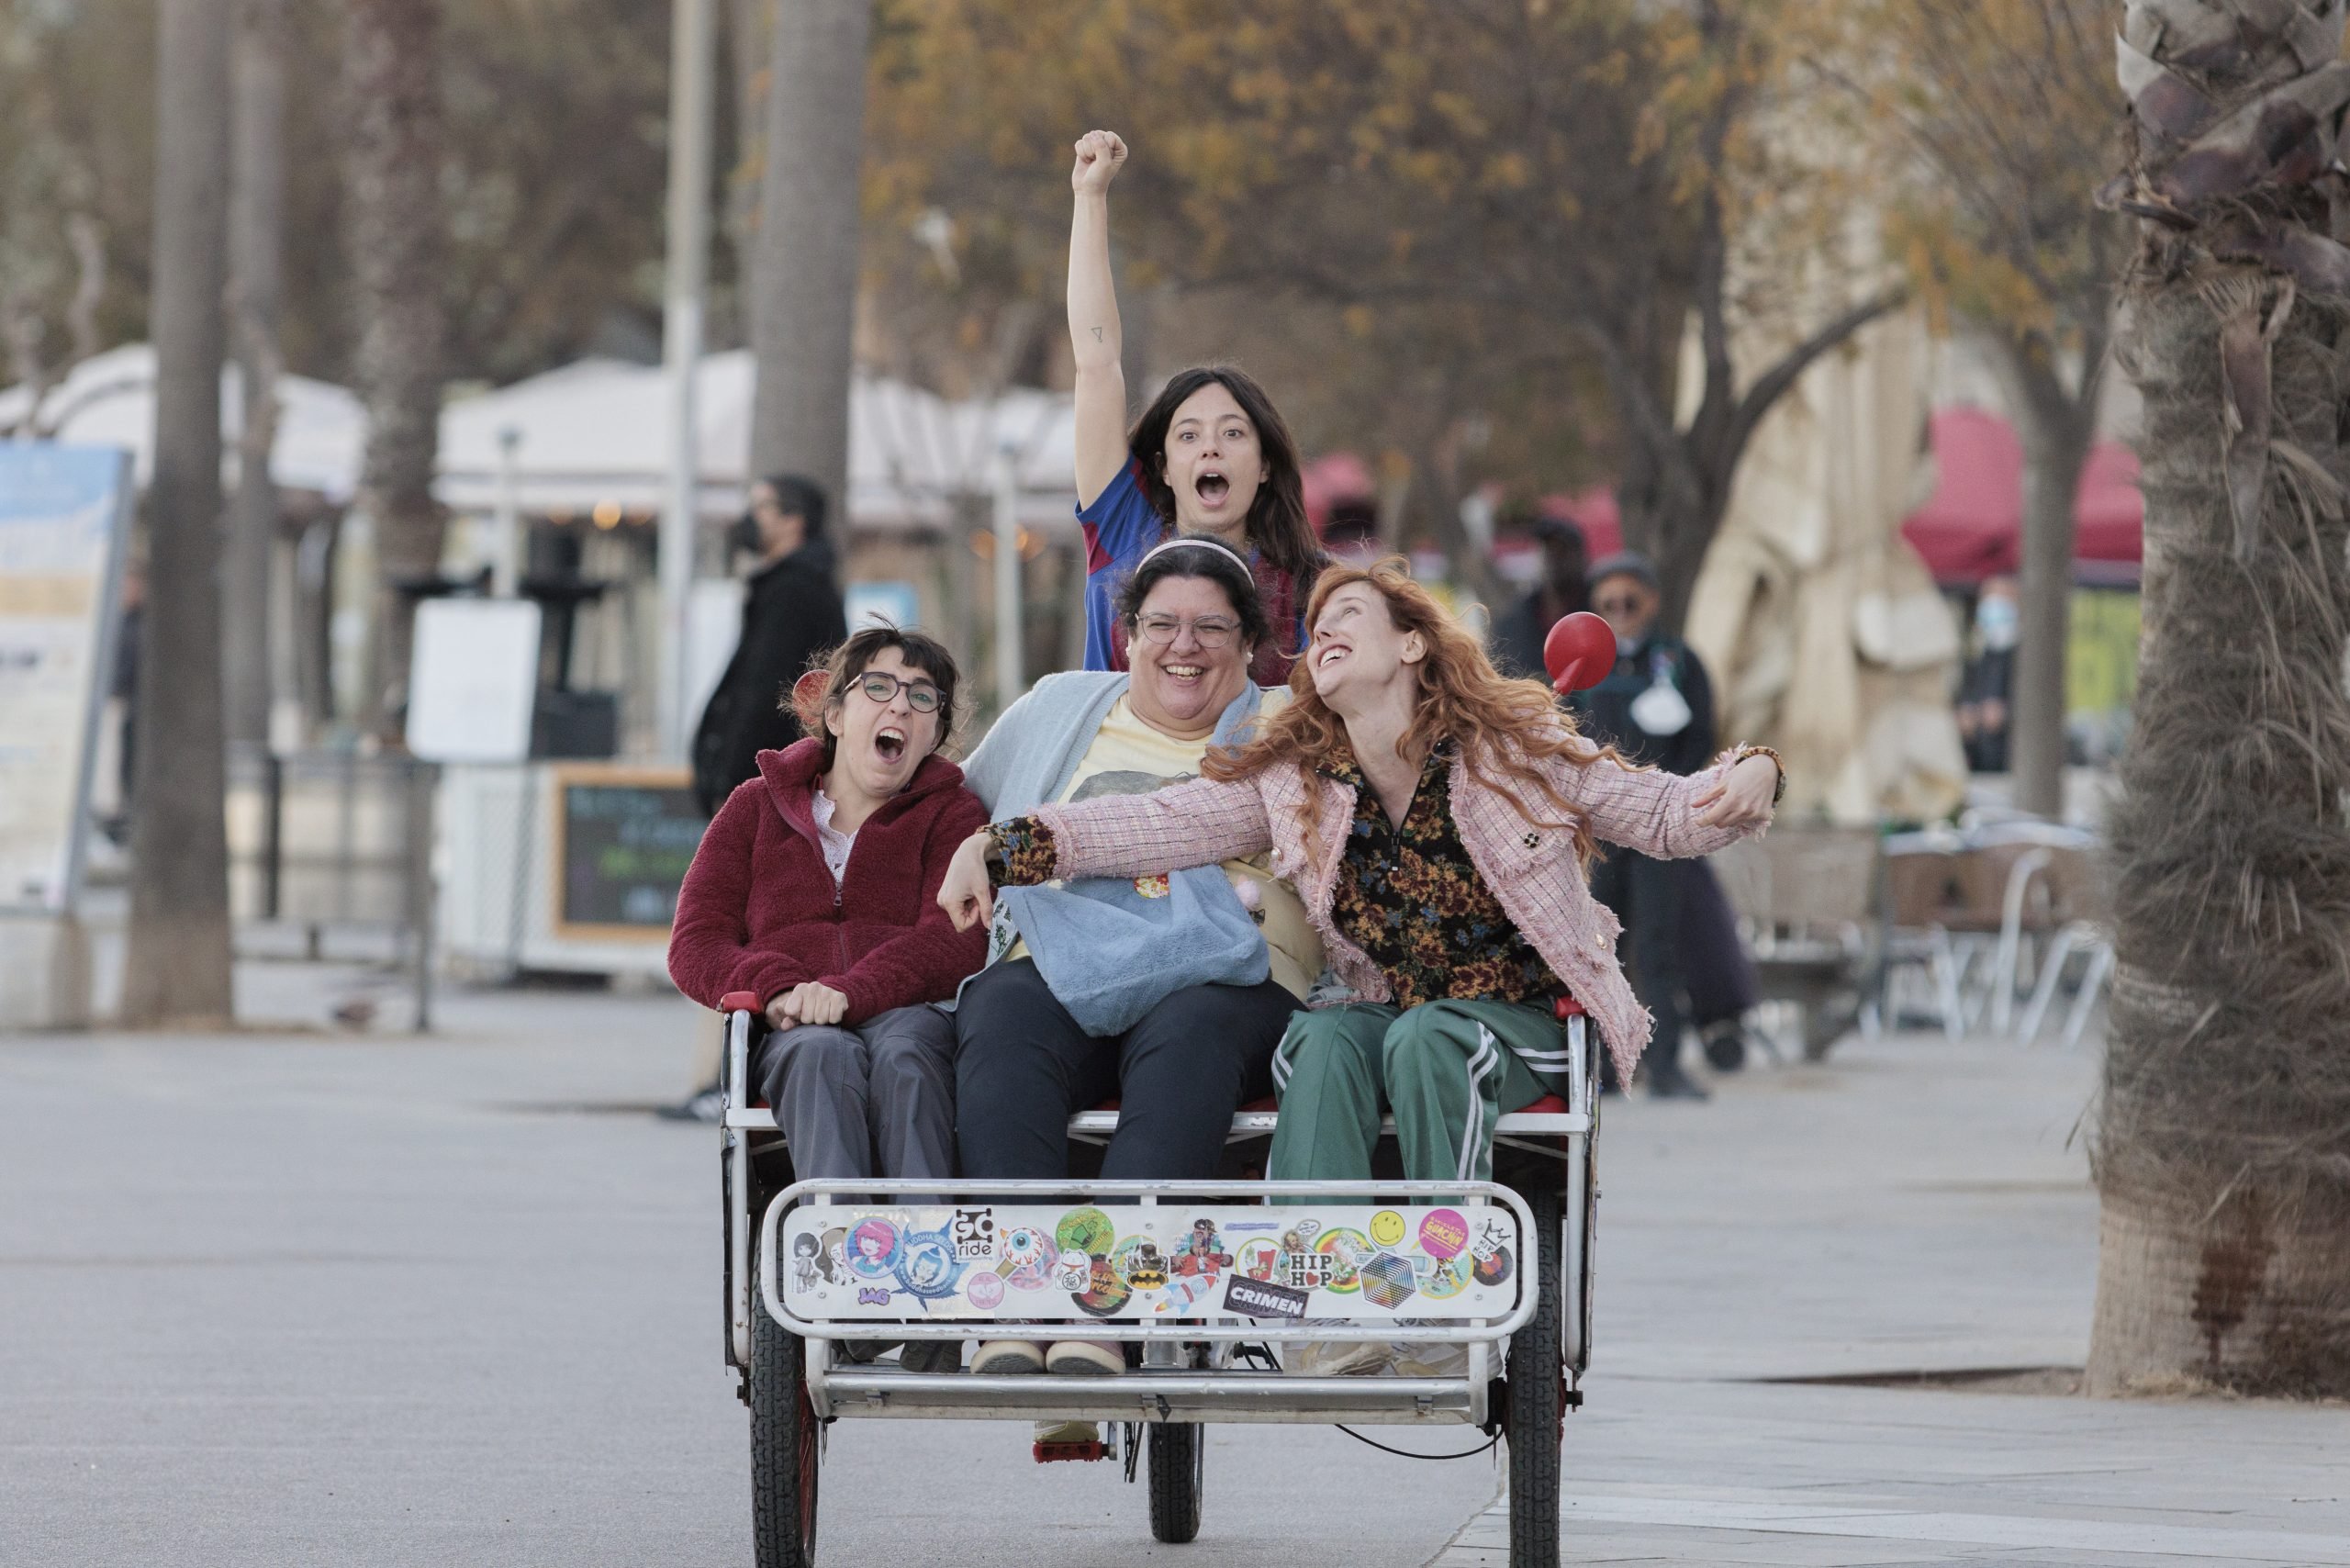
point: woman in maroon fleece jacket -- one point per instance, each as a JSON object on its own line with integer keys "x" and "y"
{"x": 816, "y": 886}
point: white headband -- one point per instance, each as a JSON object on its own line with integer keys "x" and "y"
{"x": 1204, "y": 543}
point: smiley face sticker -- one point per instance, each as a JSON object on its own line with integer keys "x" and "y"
{"x": 1387, "y": 1227}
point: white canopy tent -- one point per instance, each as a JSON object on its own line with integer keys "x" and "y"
{"x": 109, "y": 400}
{"x": 592, "y": 433}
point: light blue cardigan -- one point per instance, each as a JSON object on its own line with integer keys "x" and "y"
{"x": 1109, "y": 954}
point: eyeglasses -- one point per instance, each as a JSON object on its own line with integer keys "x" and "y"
{"x": 882, "y": 686}
{"x": 1630, "y": 605}
{"x": 1209, "y": 632}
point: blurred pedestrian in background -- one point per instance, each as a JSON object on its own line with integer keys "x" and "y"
{"x": 1558, "y": 593}
{"x": 128, "y": 640}
{"x": 1210, "y": 456}
{"x": 1656, "y": 707}
{"x": 1982, "y": 691}
{"x": 791, "y": 615}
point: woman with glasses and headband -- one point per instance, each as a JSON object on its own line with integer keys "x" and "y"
{"x": 1167, "y": 991}
{"x": 814, "y": 886}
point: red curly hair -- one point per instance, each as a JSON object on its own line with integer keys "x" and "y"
{"x": 1502, "y": 727}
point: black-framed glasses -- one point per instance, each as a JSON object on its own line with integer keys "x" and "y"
{"x": 882, "y": 686}
{"x": 1209, "y": 632}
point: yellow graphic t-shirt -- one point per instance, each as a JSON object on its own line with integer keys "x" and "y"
{"x": 1129, "y": 757}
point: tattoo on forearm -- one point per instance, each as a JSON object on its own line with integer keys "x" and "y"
{"x": 1097, "y": 334}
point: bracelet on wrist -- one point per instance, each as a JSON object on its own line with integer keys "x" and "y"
{"x": 1778, "y": 790}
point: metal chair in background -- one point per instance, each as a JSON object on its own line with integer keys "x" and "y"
{"x": 1807, "y": 899}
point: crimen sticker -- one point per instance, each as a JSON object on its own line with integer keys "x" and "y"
{"x": 1262, "y": 1298}
{"x": 1443, "y": 1233}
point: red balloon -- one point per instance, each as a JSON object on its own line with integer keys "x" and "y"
{"x": 1578, "y": 652}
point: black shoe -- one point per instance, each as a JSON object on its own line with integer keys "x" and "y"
{"x": 702, "y": 1106}
{"x": 1726, "y": 1046}
{"x": 931, "y": 1356}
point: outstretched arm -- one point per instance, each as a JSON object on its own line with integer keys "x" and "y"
{"x": 1668, "y": 816}
{"x": 1093, "y": 330}
{"x": 1199, "y": 823}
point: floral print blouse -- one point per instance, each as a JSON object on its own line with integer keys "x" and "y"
{"x": 1411, "y": 899}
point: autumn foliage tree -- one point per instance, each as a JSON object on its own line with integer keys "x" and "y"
{"x": 1512, "y": 194}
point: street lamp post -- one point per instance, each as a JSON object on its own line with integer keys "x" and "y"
{"x": 690, "y": 52}
{"x": 1009, "y": 677}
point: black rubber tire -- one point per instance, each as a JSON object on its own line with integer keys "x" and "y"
{"x": 1537, "y": 1390}
{"x": 1179, "y": 1453}
{"x": 784, "y": 1441}
{"x": 1726, "y": 1052}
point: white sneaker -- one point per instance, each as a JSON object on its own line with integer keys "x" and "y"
{"x": 1086, "y": 1358}
{"x": 997, "y": 1357}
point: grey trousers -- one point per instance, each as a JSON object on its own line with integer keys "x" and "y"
{"x": 870, "y": 1099}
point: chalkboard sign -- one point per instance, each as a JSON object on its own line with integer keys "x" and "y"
{"x": 623, "y": 839}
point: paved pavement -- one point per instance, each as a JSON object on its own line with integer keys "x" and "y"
{"x": 317, "y": 1298}
{"x": 1908, "y": 1207}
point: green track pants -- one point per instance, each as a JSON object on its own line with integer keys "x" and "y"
{"x": 1447, "y": 1069}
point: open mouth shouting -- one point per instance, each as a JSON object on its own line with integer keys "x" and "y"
{"x": 889, "y": 742}
{"x": 1212, "y": 486}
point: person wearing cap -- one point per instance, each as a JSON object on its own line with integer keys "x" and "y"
{"x": 1165, "y": 992}
{"x": 1656, "y": 707}
{"x": 1518, "y": 636}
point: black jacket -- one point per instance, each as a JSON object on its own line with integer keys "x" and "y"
{"x": 1605, "y": 712}
{"x": 791, "y": 613}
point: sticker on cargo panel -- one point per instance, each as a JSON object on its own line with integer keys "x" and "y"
{"x": 1387, "y": 1280}
{"x": 1262, "y": 1298}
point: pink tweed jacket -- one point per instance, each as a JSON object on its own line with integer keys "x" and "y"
{"x": 1530, "y": 867}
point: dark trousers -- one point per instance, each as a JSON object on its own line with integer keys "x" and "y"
{"x": 1646, "y": 896}
{"x": 1716, "y": 967}
{"x": 1022, "y": 1066}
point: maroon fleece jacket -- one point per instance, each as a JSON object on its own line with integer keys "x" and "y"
{"x": 758, "y": 911}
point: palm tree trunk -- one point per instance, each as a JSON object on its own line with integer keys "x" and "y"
{"x": 804, "y": 282}
{"x": 2223, "y": 1151}
{"x": 178, "y": 966}
{"x": 392, "y": 175}
{"x": 256, "y": 205}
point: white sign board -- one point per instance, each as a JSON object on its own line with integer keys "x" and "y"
{"x": 474, "y": 680}
{"x": 63, "y": 513}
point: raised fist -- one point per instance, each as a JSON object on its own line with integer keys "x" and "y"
{"x": 1100, "y": 154}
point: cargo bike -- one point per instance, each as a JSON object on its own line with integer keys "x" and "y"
{"x": 1198, "y": 1279}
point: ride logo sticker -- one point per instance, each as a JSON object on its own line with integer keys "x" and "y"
{"x": 974, "y": 1231}
{"x": 1262, "y": 1298}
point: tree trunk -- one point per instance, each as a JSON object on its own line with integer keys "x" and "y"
{"x": 804, "y": 283}
{"x": 2222, "y": 1153}
{"x": 256, "y": 207}
{"x": 393, "y": 176}
{"x": 178, "y": 965}
{"x": 2056, "y": 427}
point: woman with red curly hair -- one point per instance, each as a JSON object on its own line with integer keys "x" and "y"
{"x": 1439, "y": 822}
